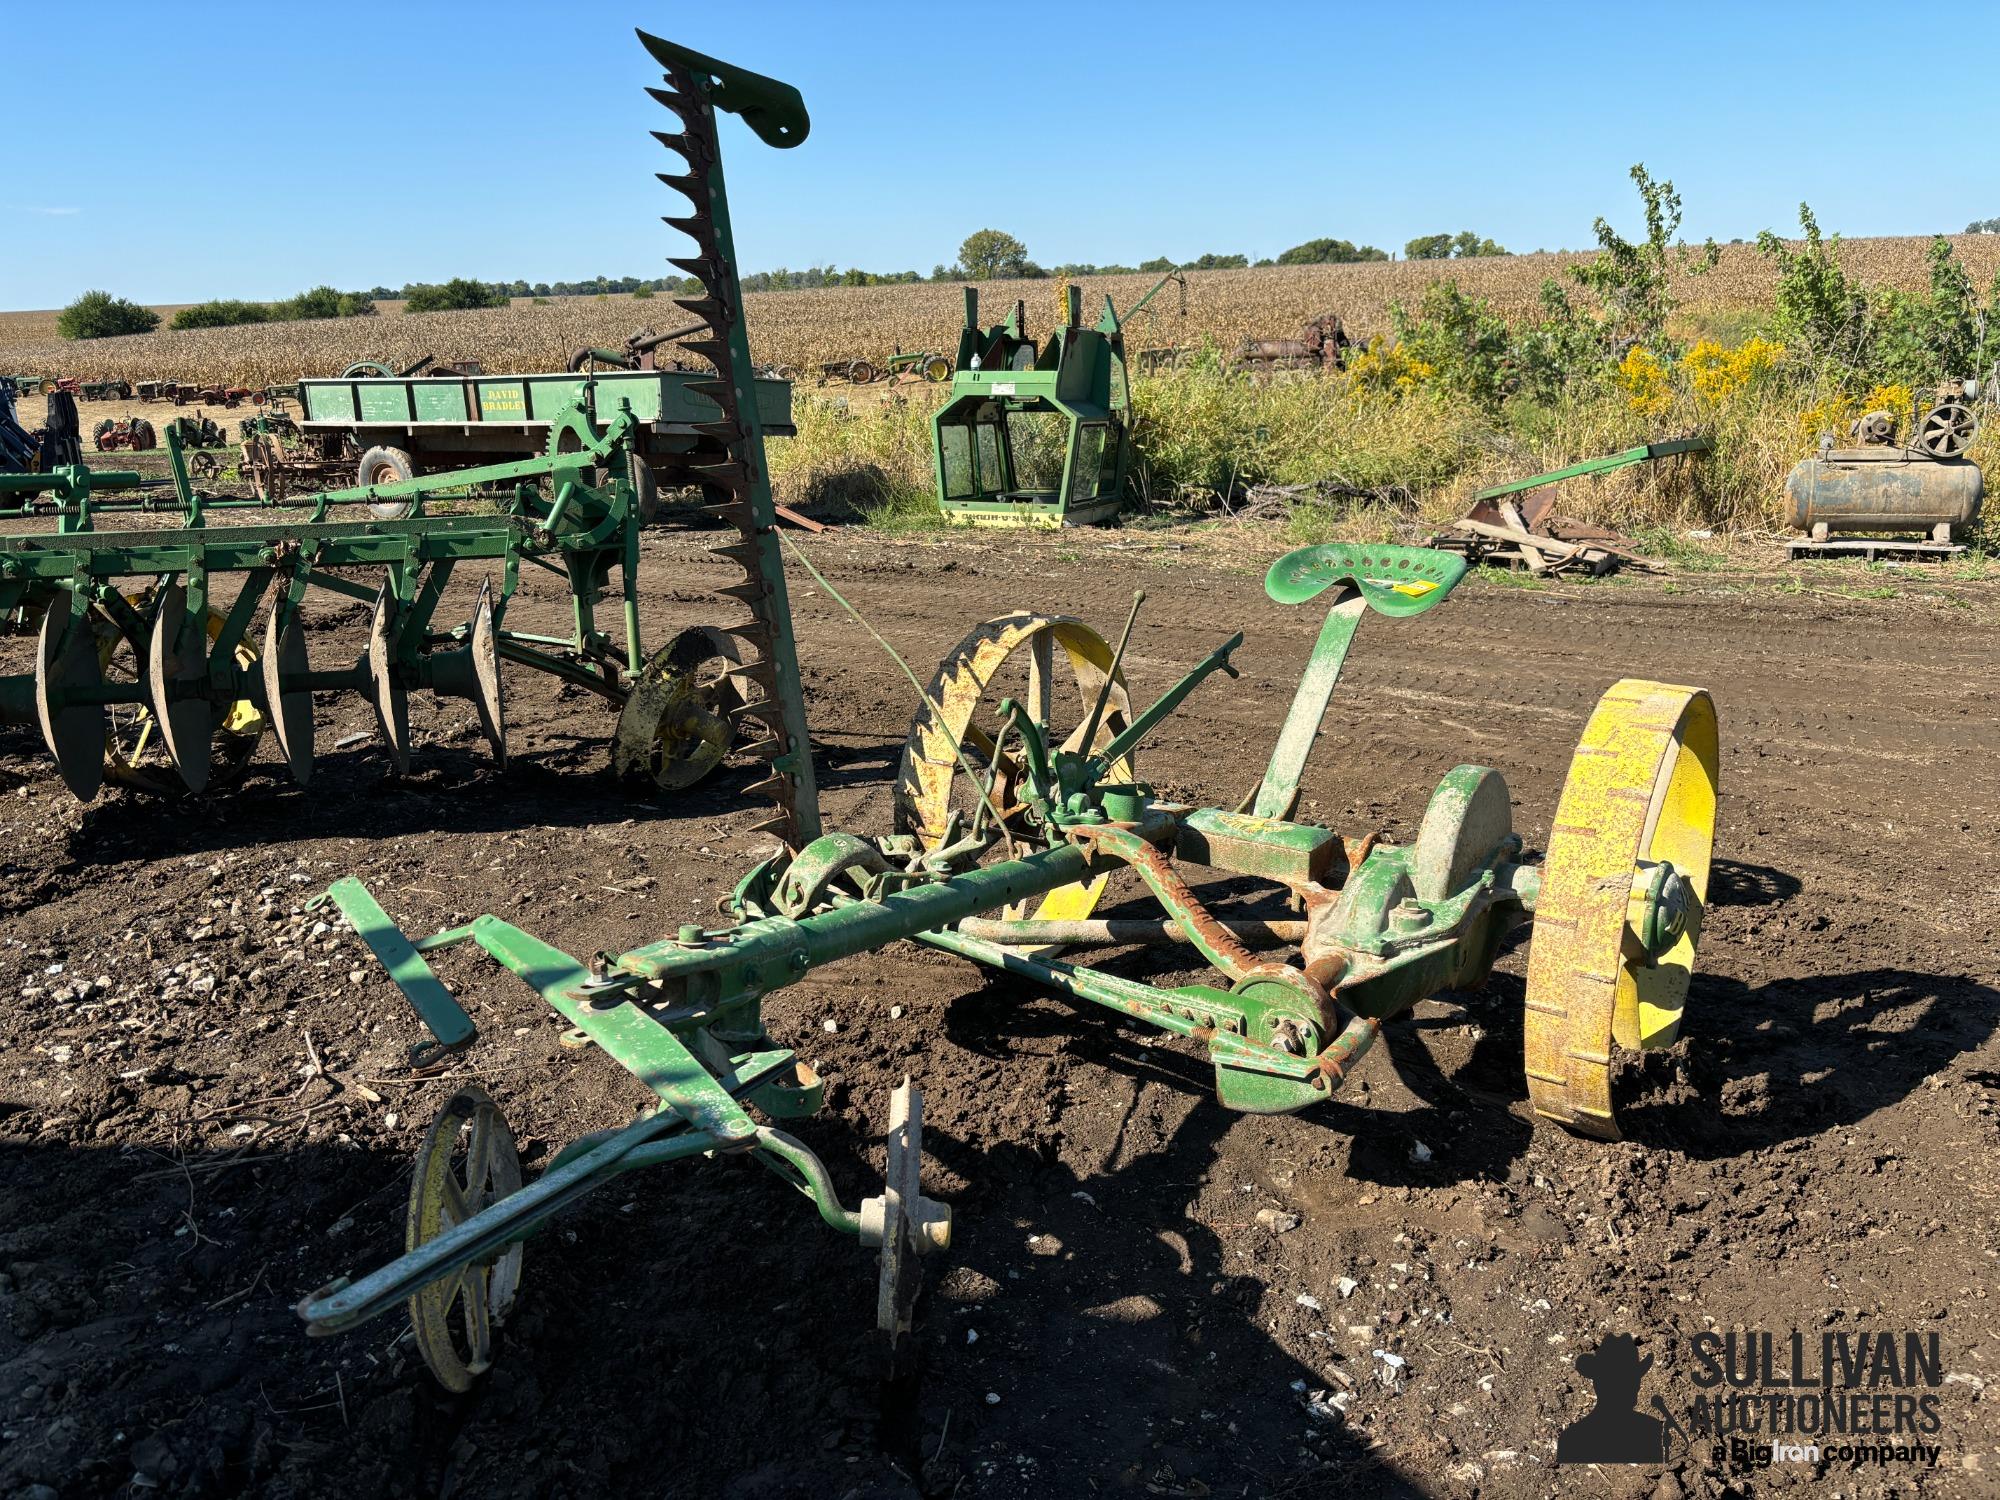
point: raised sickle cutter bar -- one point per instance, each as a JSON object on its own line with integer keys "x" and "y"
{"x": 1004, "y": 809}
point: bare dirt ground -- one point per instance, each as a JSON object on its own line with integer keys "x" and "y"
{"x": 205, "y": 1111}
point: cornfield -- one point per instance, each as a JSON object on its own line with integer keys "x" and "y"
{"x": 804, "y": 328}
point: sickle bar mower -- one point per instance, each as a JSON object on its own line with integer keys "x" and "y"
{"x": 1017, "y": 801}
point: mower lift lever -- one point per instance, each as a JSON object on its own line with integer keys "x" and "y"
{"x": 1124, "y": 744}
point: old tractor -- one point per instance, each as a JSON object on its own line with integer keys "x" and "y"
{"x": 921, "y": 364}
{"x": 129, "y": 434}
{"x": 197, "y": 431}
{"x": 1017, "y": 802}
{"x": 1322, "y": 344}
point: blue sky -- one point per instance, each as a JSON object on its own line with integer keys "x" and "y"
{"x": 378, "y": 143}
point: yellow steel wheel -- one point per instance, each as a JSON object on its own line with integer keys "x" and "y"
{"x": 1014, "y": 656}
{"x": 1640, "y": 793}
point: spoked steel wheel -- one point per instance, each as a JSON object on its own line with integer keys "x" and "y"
{"x": 467, "y": 1162}
{"x": 964, "y": 771}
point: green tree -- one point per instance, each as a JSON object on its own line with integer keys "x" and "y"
{"x": 1633, "y": 281}
{"x": 1465, "y": 245}
{"x": 992, "y": 254}
{"x": 225, "y": 313}
{"x": 1923, "y": 338}
{"x": 99, "y": 315}
{"x": 456, "y": 295}
{"x": 1462, "y": 339}
{"x": 324, "y": 302}
{"x": 1326, "y": 252}
{"x": 1819, "y": 313}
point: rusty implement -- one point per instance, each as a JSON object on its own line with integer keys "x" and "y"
{"x": 1516, "y": 524}
{"x": 1323, "y": 344}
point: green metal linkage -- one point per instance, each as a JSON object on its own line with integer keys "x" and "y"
{"x": 1664, "y": 449}
{"x": 442, "y": 1016}
{"x": 1278, "y": 794}
{"x": 621, "y": 1026}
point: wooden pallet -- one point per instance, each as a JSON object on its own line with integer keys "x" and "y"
{"x": 1875, "y": 549}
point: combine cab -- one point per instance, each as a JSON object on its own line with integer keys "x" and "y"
{"x": 1035, "y": 436}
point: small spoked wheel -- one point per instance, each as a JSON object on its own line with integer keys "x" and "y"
{"x": 466, "y": 1163}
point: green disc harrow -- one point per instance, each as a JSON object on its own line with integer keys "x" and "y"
{"x": 151, "y": 668}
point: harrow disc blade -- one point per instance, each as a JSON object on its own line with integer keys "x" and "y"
{"x": 186, "y": 721}
{"x": 291, "y": 709}
{"x": 391, "y": 700}
{"x": 489, "y": 700}
{"x": 75, "y": 733}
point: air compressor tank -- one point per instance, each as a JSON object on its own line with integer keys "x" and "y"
{"x": 1884, "y": 488}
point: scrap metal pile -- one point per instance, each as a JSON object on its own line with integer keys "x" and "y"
{"x": 1528, "y": 533}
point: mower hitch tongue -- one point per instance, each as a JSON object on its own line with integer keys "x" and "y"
{"x": 1016, "y": 802}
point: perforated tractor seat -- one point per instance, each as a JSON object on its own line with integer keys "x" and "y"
{"x": 1394, "y": 580}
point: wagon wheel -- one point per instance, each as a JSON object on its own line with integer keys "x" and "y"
{"x": 1624, "y": 887}
{"x": 134, "y": 755}
{"x": 203, "y": 466}
{"x": 466, "y": 1163}
{"x": 1020, "y": 656}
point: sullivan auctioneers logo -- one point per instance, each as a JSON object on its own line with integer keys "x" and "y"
{"x": 1763, "y": 1399}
